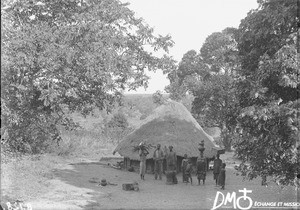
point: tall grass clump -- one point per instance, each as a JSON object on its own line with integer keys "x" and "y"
{"x": 91, "y": 143}
{"x": 24, "y": 177}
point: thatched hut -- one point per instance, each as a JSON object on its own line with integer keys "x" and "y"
{"x": 169, "y": 124}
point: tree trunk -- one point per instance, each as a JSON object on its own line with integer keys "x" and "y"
{"x": 227, "y": 143}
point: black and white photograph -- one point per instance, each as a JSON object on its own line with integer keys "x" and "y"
{"x": 150, "y": 104}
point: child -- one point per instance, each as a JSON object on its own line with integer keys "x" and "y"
{"x": 184, "y": 164}
{"x": 188, "y": 171}
{"x": 222, "y": 176}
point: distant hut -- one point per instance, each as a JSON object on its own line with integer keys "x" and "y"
{"x": 169, "y": 124}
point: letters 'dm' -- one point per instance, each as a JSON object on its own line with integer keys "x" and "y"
{"x": 231, "y": 198}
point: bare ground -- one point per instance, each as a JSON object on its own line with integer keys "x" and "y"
{"x": 68, "y": 187}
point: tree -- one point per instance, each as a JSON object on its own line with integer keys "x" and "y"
{"x": 158, "y": 98}
{"x": 219, "y": 51}
{"x": 69, "y": 55}
{"x": 117, "y": 127}
{"x": 269, "y": 92}
{"x": 215, "y": 102}
{"x": 211, "y": 77}
{"x": 188, "y": 72}
{"x": 261, "y": 37}
{"x": 118, "y": 120}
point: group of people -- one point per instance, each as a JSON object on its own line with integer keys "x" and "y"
{"x": 187, "y": 168}
{"x": 171, "y": 162}
{"x": 158, "y": 156}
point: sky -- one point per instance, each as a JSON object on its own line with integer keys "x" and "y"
{"x": 189, "y": 22}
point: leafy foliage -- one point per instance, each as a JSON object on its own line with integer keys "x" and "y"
{"x": 269, "y": 92}
{"x": 158, "y": 98}
{"x": 264, "y": 35}
{"x": 61, "y": 56}
{"x": 118, "y": 120}
{"x": 144, "y": 146}
{"x": 117, "y": 127}
{"x": 190, "y": 70}
{"x": 140, "y": 102}
{"x": 211, "y": 77}
{"x": 215, "y": 102}
{"x": 270, "y": 142}
{"x": 217, "y": 105}
{"x": 220, "y": 53}
{"x": 247, "y": 80}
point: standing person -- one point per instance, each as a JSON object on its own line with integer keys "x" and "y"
{"x": 143, "y": 152}
{"x": 184, "y": 164}
{"x": 158, "y": 157}
{"x": 222, "y": 177}
{"x": 217, "y": 168}
{"x": 201, "y": 169}
{"x": 188, "y": 171}
{"x": 171, "y": 159}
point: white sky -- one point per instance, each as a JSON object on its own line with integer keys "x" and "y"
{"x": 189, "y": 22}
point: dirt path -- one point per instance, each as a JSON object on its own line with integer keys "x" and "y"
{"x": 70, "y": 189}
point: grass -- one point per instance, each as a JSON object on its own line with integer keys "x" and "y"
{"x": 89, "y": 140}
{"x": 85, "y": 143}
{"x": 26, "y": 176}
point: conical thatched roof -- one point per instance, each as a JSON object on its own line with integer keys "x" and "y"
{"x": 169, "y": 124}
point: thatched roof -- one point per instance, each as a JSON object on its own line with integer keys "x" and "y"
{"x": 169, "y": 124}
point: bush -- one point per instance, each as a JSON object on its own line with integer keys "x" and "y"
{"x": 115, "y": 129}
{"x": 118, "y": 120}
{"x": 158, "y": 98}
